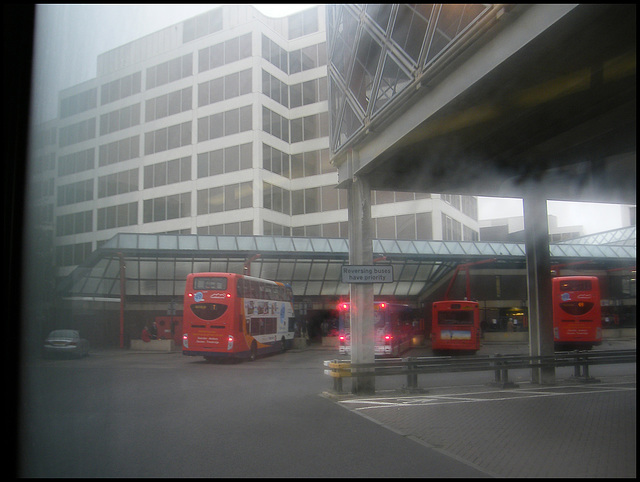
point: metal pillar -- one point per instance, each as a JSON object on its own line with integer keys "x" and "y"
{"x": 539, "y": 284}
{"x": 361, "y": 253}
{"x": 122, "y": 296}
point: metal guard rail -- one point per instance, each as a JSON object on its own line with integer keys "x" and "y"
{"x": 500, "y": 364}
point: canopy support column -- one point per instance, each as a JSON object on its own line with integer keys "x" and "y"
{"x": 539, "y": 284}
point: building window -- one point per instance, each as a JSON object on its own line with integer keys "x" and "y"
{"x": 275, "y": 124}
{"x": 275, "y": 89}
{"x": 303, "y": 23}
{"x": 78, "y": 103}
{"x": 308, "y": 58}
{"x": 317, "y": 199}
{"x": 452, "y": 199}
{"x": 169, "y": 71}
{"x": 118, "y": 183}
{"x": 224, "y": 53}
{"x": 424, "y": 228}
{"x": 469, "y": 234}
{"x": 221, "y": 161}
{"x": 202, "y": 25}
{"x": 309, "y": 127}
{"x": 169, "y": 207}
{"x": 169, "y": 172}
{"x": 225, "y": 123}
{"x": 242, "y": 228}
{"x": 311, "y": 163}
{"x": 309, "y": 92}
{"x": 76, "y": 192}
{"x": 405, "y": 226}
{"x": 223, "y": 88}
{"x": 273, "y": 229}
{"x": 120, "y": 119}
{"x": 72, "y": 254}
{"x": 118, "y": 216}
{"x": 451, "y": 229}
{"x": 119, "y": 151}
{"x": 275, "y": 54}
{"x": 470, "y": 206}
{"x": 74, "y": 223}
{"x": 225, "y": 198}
{"x": 167, "y": 138}
{"x": 76, "y": 162}
{"x": 276, "y": 198}
{"x": 168, "y": 104}
{"x": 275, "y": 160}
{"x": 312, "y": 202}
{"x": 385, "y": 227}
{"x": 121, "y": 88}
{"x": 79, "y": 132}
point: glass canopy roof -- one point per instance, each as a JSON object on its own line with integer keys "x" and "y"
{"x": 156, "y": 266}
{"x": 617, "y": 237}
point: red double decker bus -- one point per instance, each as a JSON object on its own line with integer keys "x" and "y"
{"x": 455, "y": 325}
{"x": 232, "y": 315}
{"x": 577, "y": 319}
{"x": 392, "y": 327}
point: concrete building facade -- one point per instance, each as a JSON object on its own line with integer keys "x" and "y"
{"x": 215, "y": 125}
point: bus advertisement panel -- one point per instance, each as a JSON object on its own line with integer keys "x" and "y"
{"x": 577, "y": 319}
{"x": 232, "y": 315}
{"x": 455, "y": 326}
{"x": 392, "y": 327}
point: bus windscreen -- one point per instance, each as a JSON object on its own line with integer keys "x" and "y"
{"x": 215, "y": 284}
{"x": 455, "y": 317}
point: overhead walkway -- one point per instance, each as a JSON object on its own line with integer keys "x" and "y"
{"x": 156, "y": 265}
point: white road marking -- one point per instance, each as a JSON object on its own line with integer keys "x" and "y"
{"x": 471, "y": 397}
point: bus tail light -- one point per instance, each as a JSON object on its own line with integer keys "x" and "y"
{"x": 185, "y": 340}
{"x": 388, "y": 338}
{"x": 556, "y": 334}
{"x": 230, "y": 342}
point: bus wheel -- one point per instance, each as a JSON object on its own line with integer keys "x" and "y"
{"x": 283, "y": 346}
{"x": 254, "y": 352}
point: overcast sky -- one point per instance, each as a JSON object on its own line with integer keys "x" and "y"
{"x": 69, "y": 39}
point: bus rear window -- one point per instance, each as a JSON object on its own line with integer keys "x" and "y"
{"x": 464, "y": 317}
{"x": 215, "y": 284}
{"x": 208, "y": 311}
{"x": 575, "y": 285}
{"x": 576, "y": 308}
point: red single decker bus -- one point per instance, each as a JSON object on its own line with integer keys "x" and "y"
{"x": 232, "y": 315}
{"x": 392, "y": 327}
{"x": 577, "y": 321}
{"x": 455, "y": 326}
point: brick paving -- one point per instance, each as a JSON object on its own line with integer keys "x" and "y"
{"x": 567, "y": 430}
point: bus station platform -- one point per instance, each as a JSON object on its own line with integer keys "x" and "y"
{"x": 570, "y": 429}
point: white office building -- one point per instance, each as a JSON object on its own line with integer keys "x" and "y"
{"x": 215, "y": 125}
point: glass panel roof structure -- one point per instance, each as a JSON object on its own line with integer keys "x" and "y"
{"x": 156, "y": 265}
{"x": 409, "y": 38}
{"x": 618, "y": 237}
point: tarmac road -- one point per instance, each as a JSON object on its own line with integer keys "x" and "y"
{"x": 124, "y": 414}
{"x": 119, "y": 414}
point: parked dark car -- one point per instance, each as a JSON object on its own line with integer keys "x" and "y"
{"x": 66, "y": 343}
